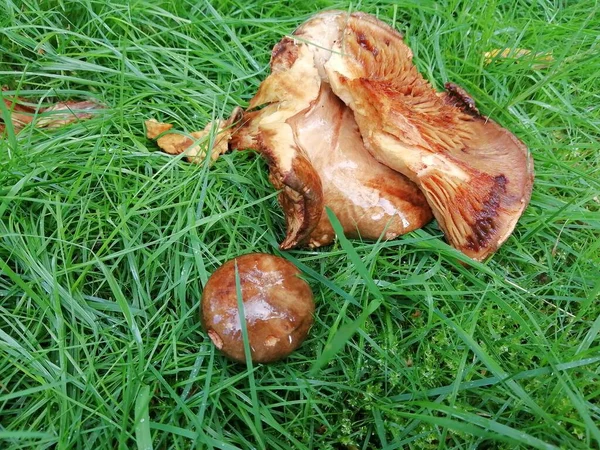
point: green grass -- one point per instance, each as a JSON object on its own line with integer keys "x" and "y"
{"x": 105, "y": 244}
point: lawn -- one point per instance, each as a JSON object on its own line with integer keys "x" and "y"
{"x": 106, "y": 243}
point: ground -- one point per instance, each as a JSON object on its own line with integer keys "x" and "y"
{"x": 105, "y": 243}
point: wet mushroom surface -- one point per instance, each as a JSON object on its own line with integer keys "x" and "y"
{"x": 476, "y": 176}
{"x": 316, "y": 154}
{"x": 278, "y": 307}
{"x": 346, "y": 121}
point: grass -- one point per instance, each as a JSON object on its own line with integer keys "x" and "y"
{"x": 105, "y": 244}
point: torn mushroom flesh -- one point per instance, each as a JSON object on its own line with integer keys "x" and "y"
{"x": 215, "y": 135}
{"x": 477, "y": 176}
{"x": 316, "y": 154}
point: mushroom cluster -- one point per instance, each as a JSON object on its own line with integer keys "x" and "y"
{"x": 346, "y": 121}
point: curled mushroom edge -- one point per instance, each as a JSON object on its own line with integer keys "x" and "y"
{"x": 346, "y": 121}
{"x": 316, "y": 155}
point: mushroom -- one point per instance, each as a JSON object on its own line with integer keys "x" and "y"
{"x": 477, "y": 176}
{"x": 346, "y": 121}
{"x": 316, "y": 155}
{"x": 278, "y": 307}
{"x": 175, "y": 142}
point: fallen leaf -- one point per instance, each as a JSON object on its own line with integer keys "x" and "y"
{"x": 542, "y": 59}
{"x": 22, "y": 113}
{"x": 65, "y": 113}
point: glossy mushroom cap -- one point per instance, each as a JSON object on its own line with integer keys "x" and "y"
{"x": 278, "y": 307}
{"x": 316, "y": 154}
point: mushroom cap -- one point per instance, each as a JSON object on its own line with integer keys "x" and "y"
{"x": 477, "y": 176}
{"x": 369, "y": 199}
{"x": 278, "y": 307}
{"x": 316, "y": 154}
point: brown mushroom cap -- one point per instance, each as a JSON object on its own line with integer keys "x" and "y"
{"x": 316, "y": 154}
{"x": 369, "y": 199}
{"x": 477, "y": 176}
{"x": 278, "y": 307}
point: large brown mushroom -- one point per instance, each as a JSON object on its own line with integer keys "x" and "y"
{"x": 316, "y": 155}
{"x": 346, "y": 121}
{"x": 477, "y": 176}
{"x": 277, "y": 304}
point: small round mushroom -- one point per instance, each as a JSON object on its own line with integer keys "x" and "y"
{"x": 278, "y": 307}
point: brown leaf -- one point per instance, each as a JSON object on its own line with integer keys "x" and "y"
{"x": 65, "y": 113}
{"x": 21, "y": 114}
{"x": 60, "y": 114}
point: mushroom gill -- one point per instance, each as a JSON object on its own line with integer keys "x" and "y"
{"x": 477, "y": 176}
{"x": 316, "y": 154}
